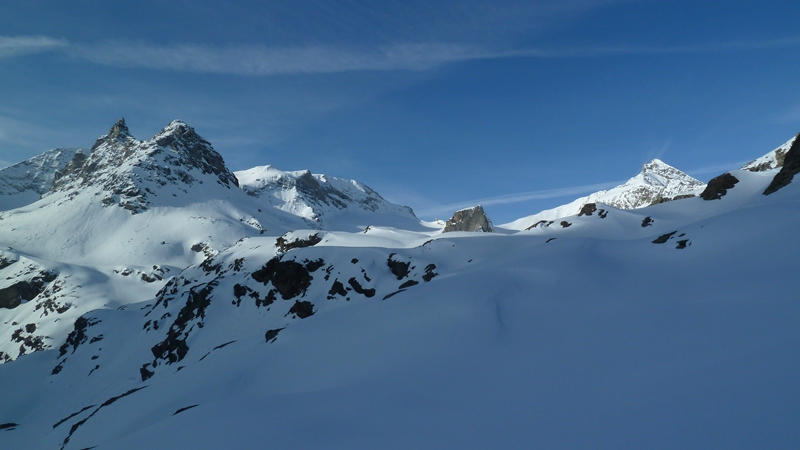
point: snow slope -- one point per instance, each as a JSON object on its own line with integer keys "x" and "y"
{"x": 667, "y": 326}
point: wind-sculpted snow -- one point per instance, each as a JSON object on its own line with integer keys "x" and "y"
{"x": 668, "y": 326}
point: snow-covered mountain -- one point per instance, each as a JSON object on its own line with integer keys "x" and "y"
{"x": 134, "y": 213}
{"x": 669, "y": 326}
{"x": 325, "y": 202}
{"x": 658, "y": 182}
{"x": 141, "y": 202}
{"x": 25, "y": 182}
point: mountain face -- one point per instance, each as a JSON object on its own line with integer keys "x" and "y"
{"x": 324, "y": 202}
{"x": 658, "y": 182}
{"x": 25, "y": 182}
{"x": 629, "y": 326}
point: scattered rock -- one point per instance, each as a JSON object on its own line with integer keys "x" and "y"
{"x": 184, "y": 409}
{"x": 408, "y": 284}
{"x": 78, "y": 335}
{"x": 301, "y": 309}
{"x": 399, "y": 269}
{"x": 272, "y": 334}
{"x": 565, "y": 224}
{"x": 683, "y": 243}
{"x": 542, "y": 223}
{"x": 12, "y": 296}
{"x": 336, "y": 289}
{"x": 359, "y": 289}
{"x": 284, "y": 245}
{"x": 647, "y": 222}
{"x": 429, "y": 272}
{"x": 290, "y": 278}
{"x": 5, "y": 262}
{"x": 588, "y": 209}
{"x": 174, "y": 348}
{"x": 718, "y": 187}
{"x": 664, "y": 238}
{"x": 388, "y": 296}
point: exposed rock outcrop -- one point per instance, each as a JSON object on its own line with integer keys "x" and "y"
{"x": 718, "y": 187}
{"x": 470, "y": 219}
{"x": 790, "y": 168}
{"x": 773, "y": 159}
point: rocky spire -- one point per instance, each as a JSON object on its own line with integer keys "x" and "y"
{"x": 118, "y": 132}
{"x": 118, "y": 129}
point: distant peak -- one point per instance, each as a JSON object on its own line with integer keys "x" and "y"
{"x": 656, "y": 164}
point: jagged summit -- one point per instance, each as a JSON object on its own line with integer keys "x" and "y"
{"x": 132, "y": 172}
{"x": 119, "y": 129}
{"x": 119, "y": 132}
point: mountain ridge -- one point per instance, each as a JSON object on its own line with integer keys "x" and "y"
{"x": 211, "y": 324}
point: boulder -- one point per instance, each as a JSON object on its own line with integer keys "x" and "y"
{"x": 470, "y": 219}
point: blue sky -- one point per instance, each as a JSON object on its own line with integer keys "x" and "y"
{"x": 520, "y": 106}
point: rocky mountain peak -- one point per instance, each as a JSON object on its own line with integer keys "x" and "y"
{"x": 119, "y": 129}
{"x": 118, "y": 133}
{"x": 131, "y": 172}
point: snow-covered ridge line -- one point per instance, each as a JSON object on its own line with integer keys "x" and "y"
{"x": 773, "y": 159}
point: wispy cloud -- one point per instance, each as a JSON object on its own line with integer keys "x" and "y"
{"x": 263, "y": 60}
{"x": 717, "y": 169}
{"x": 518, "y": 198}
{"x": 636, "y": 49}
{"x": 24, "y": 45}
